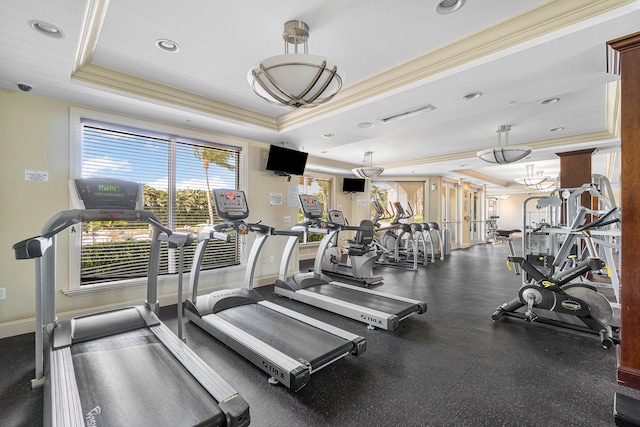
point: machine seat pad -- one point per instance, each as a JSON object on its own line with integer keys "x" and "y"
{"x": 506, "y": 233}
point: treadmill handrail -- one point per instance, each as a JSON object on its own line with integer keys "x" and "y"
{"x": 291, "y": 232}
{"x": 67, "y": 218}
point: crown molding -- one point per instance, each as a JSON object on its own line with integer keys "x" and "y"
{"x": 550, "y": 16}
{"x": 539, "y": 144}
{"x": 130, "y": 84}
{"x": 485, "y": 178}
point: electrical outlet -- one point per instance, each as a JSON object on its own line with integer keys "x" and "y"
{"x": 272, "y": 258}
{"x": 287, "y": 218}
{"x": 3, "y": 293}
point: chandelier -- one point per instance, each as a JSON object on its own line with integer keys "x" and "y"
{"x": 537, "y": 181}
{"x": 296, "y": 79}
{"x": 503, "y": 154}
{"x": 547, "y": 185}
{"x": 368, "y": 171}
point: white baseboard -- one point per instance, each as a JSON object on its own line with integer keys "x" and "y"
{"x": 25, "y": 326}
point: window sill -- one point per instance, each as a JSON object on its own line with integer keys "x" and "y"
{"x": 309, "y": 245}
{"x": 105, "y": 287}
{"x": 142, "y": 282}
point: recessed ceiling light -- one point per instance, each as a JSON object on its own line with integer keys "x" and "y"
{"x": 471, "y": 96}
{"x": 550, "y": 101}
{"x": 46, "y": 29}
{"x": 328, "y": 135}
{"x": 167, "y": 45}
{"x": 365, "y": 125}
{"x": 444, "y": 7}
{"x": 556, "y": 129}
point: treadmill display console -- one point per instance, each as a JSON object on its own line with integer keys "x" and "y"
{"x": 311, "y": 206}
{"x": 106, "y": 193}
{"x": 230, "y": 204}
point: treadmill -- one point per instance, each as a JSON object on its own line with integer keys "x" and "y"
{"x": 122, "y": 366}
{"x": 285, "y": 344}
{"x": 376, "y": 309}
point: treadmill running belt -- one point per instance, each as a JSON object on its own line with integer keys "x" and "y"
{"x": 365, "y": 299}
{"x": 132, "y": 379}
{"x": 294, "y": 338}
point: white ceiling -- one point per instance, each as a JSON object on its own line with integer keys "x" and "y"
{"x": 396, "y": 56}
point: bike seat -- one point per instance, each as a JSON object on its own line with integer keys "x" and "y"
{"x": 506, "y": 233}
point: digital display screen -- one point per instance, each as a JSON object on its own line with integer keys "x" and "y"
{"x": 230, "y": 204}
{"x": 107, "y": 193}
{"x": 311, "y": 206}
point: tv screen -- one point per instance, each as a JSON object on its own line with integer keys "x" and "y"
{"x": 285, "y": 161}
{"x": 353, "y": 185}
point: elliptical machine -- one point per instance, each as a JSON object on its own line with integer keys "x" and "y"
{"x": 576, "y": 306}
{"x": 361, "y": 255}
{"x": 397, "y": 246}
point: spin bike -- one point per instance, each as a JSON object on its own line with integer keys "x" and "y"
{"x": 576, "y": 306}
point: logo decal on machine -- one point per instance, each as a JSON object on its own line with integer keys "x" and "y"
{"x": 571, "y": 305}
{"x": 371, "y": 319}
{"x": 90, "y": 418}
{"x": 273, "y": 370}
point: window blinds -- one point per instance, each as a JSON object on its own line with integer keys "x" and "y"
{"x": 177, "y": 174}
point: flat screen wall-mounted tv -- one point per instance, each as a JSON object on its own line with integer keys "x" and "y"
{"x": 285, "y": 161}
{"x": 353, "y": 185}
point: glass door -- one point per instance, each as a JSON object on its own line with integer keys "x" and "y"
{"x": 476, "y": 216}
{"x": 451, "y": 212}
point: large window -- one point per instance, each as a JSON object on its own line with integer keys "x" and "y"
{"x": 177, "y": 174}
{"x": 320, "y": 187}
{"x": 409, "y": 194}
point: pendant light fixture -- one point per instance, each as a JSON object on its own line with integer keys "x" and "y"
{"x": 296, "y": 79}
{"x": 504, "y": 154}
{"x": 531, "y": 180}
{"x": 368, "y": 171}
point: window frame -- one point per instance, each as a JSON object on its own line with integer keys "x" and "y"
{"x": 394, "y": 184}
{"x": 332, "y": 199}
{"x": 75, "y": 171}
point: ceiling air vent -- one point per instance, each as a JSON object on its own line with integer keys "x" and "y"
{"x": 408, "y": 113}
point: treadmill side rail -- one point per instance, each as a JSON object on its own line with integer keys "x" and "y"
{"x": 359, "y": 343}
{"x": 378, "y": 319}
{"x": 207, "y": 377}
{"x": 422, "y": 305}
{"x": 66, "y": 409}
{"x": 293, "y": 374}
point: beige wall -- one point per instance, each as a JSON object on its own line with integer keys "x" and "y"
{"x": 34, "y": 135}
